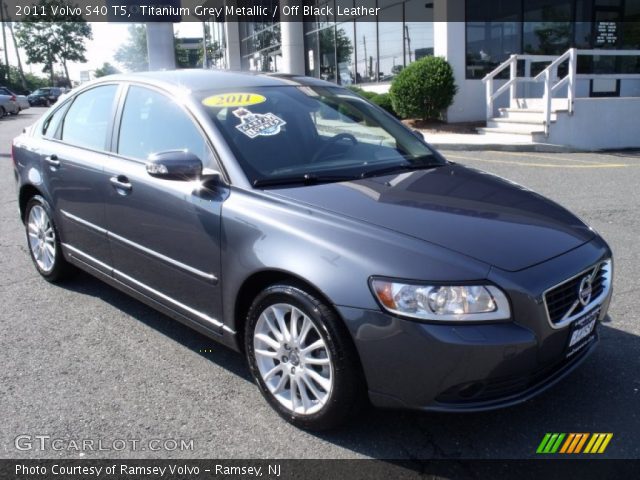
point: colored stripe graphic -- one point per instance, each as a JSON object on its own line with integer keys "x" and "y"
{"x": 573, "y": 443}
{"x": 550, "y": 443}
{"x": 543, "y": 443}
{"x": 581, "y": 443}
{"x": 598, "y": 443}
{"x": 565, "y": 447}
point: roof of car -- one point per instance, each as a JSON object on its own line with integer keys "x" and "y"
{"x": 200, "y": 80}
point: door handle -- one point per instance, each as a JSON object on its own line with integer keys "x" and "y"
{"x": 52, "y": 160}
{"x": 121, "y": 183}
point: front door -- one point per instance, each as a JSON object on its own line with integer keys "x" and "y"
{"x": 164, "y": 234}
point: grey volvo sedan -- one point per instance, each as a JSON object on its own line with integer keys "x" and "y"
{"x": 291, "y": 220}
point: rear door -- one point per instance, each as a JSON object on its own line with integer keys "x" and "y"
{"x": 164, "y": 234}
{"x": 73, "y": 151}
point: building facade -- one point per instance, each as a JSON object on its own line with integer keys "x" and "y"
{"x": 475, "y": 36}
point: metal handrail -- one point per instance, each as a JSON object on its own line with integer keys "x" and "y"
{"x": 549, "y": 77}
{"x": 511, "y": 84}
{"x": 554, "y": 65}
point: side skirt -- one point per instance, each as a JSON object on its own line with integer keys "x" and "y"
{"x": 224, "y": 337}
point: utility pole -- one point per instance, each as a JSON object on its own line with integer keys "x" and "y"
{"x": 408, "y": 39}
{"x": 364, "y": 43}
{"x": 4, "y": 45}
{"x": 205, "y": 61}
{"x": 23, "y": 80}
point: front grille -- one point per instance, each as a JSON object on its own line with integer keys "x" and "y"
{"x": 563, "y": 302}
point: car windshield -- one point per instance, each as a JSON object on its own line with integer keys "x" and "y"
{"x": 311, "y": 134}
{"x": 42, "y": 91}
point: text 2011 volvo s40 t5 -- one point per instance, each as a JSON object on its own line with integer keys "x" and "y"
{"x": 290, "y": 219}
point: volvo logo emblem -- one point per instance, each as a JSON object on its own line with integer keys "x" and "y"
{"x": 584, "y": 294}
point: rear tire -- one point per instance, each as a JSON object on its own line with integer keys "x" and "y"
{"x": 43, "y": 241}
{"x": 301, "y": 356}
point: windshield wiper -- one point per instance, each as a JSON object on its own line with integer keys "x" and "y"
{"x": 403, "y": 167}
{"x": 306, "y": 179}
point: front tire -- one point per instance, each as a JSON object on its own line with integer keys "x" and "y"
{"x": 44, "y": 242}
{"x": 301, "y": 356}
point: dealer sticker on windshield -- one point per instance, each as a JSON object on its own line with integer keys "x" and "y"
{"x": 258, "y": 124}
{"x": 234, "y": 99}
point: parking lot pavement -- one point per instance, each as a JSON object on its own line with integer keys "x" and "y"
{"x": 83, "y": 361}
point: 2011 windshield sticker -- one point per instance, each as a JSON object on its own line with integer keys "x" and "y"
{"x": 258, "y": 124}
{"x": 234, "y": 99}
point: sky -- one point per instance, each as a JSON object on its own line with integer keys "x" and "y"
{"x": 107, "y": 38}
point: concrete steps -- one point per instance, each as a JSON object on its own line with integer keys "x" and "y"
{"x": 523, "y": 124}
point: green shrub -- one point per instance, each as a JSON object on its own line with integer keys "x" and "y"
{"x": 381, "y": 99}
{"x": 384, "y": 100}
{"x": 423, "y": 89}
{"x": 363, "y": 93}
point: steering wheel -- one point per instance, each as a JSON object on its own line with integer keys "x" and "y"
{"x": 331, "y": 142}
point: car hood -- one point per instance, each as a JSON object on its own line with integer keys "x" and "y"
{"x": 469, "y": 211}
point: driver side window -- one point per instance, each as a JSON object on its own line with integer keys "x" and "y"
{"x": 153, "y": 123}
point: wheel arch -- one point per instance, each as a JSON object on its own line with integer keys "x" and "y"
{"x": 257, "y": 282}
{"x": 262, "y": 279}
{"x": 27, "y": 192}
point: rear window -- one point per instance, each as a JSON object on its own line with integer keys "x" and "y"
{"x": 88, "y": 117}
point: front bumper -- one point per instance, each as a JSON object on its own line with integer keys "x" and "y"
{"x": 445, "y": 367}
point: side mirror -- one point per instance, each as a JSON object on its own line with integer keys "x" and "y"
{"x": 174, "y": 165}
{"x": 418, "y": 134}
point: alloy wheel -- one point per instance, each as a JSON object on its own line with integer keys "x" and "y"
{"x": 42, "y": 238}
{"x": 293, "y": 359}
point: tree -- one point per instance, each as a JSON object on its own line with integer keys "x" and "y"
{"x": 105, "y": 69}
{"x": 133, "y": 54}
{"x": 51, "y": 39}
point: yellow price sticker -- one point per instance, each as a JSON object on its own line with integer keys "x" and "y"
{"x": 233, "y": 100}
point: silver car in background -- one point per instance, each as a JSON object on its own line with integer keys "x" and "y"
{"x": 19, "y": 101}
{"x": 8, "y": 105}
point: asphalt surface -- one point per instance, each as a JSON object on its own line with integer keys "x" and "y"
{"x": 84, "y": 361}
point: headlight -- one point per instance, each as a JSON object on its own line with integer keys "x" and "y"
{"x": 465, "y": 303}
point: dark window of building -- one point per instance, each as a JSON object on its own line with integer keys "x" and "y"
{"x": 345, "y": 53}
{"x": 366, "y": 51}
{"x": 550, "y": 27}
{"x": 390, "y": 40}
{"x": 547, "y": 28}
{"x": 260, "y": 46}
{"x": 418, "y": 30}
{"x": 492, "y": 34}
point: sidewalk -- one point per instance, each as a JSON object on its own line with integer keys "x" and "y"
{"x": 497, "y": 141}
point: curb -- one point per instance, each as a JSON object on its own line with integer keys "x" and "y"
{"x": 524, "y": 147}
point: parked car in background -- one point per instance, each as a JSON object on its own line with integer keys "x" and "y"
{"x": 8, "y": 105}
{"x": 45, "y": 96}
{"x": 294, "y": 221}
{"x": 21, "y": 100}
